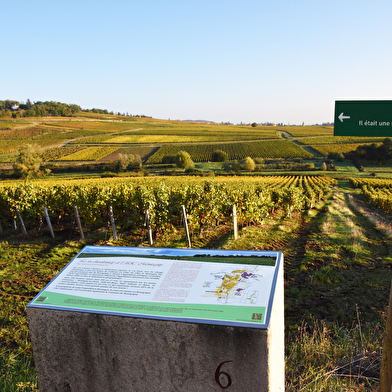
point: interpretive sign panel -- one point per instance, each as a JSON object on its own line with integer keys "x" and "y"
{"x": 363, "y": 118}
{"x": 203, "y": 286}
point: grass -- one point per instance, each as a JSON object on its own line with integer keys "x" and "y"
{"x": 345, "y": 166}
{"x": 382, "y": 169}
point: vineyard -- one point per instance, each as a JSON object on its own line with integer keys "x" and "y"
{"x": 335, "y": 235}
{"x": 325, "y": 149}
{"x": 89, "y": 154}
{"x": 378, "y": 192}
{"x": 206, "y": 203}
{"x": 340, "y": 140}
{"x": 337, "y": 262}
{"x": 259, "y": 149}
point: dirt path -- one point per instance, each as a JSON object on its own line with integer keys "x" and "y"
{"x": 307, "y": 148}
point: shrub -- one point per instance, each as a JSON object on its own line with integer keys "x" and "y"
{"x": 220, "y": 156}
{"x": 184, "y": 161}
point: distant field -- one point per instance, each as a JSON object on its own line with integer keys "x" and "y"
{"x": 56, "y": 153}
{"x": 316, "y": 130}
{"x": 340, "y": 140}
{"x": 89, "y": 154}
{"x": 107, "y": 136}
{"x": 345, "y": 166}
{"x": 325, "y": 149}
{"x": 136, "y": 150}
{"x": 149, "y": 133}
{"x": 260, "y": 149}
{"x": 9, "y": 124}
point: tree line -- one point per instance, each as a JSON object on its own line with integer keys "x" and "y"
{"x": 15, "y": 109}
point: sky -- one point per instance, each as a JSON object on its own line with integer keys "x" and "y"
{"x": 279, "y": 61}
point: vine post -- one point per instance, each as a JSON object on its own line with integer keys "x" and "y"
{"x": 149, "y": 228}
{"x": 46, "y": 214}
{"x": 113, "y": 223}
{"x": 235, "y": 225}
{"x": 20, "y": 220}
{"x": 77, "y": 217}
{"x": 185, "y": 220}
{"x": 1, "y": 229}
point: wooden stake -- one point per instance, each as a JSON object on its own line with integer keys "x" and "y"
{"x": 1, "y": 229}
{"x": 149, "y": 228}
{"x": 386, "y": 364}
{"x": 185, "y": 220}
{"x": 48, "y": 221}
{"x": 79, "y": 223}
{"x": 20, "y": 220}
{"x": 113, "y": 223}
{"x": 235, "y": 226}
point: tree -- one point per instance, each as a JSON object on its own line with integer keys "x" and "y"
{"x": 249, "y": 164}
{"x": 134, "y": 162}
{"x": 385, "y": 150}
{"x": 28, "y": 162}
{"x": 323, "y": 167}
{"x": 254, "y": 125}
{"x": 184, "y": 161}
{"x": 235, "y": 166}
{"x": 128, "y": 162}
{"x": 121, "y": 163}
{"x": 220, "y": 156}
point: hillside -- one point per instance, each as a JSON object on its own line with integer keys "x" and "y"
{"x": 73, "y": 144}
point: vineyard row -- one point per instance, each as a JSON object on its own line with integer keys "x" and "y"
{"x": 207, "y": 204}
{"x": 258, "y": 149}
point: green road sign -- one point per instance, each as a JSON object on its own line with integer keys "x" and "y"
{"x": 363, "y": 118}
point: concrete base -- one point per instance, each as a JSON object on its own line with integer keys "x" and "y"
{"x": 87, "y": 352}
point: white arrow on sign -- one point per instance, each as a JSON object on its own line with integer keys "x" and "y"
{"x": 341, "y": 117}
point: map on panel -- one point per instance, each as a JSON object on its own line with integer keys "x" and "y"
{"x": 234, "y": 286}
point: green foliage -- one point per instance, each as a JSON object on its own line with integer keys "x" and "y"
{"x": 184, "y": 160}
{"x": 339, "y": 156}
{"x": 121, "y": 163}
{"x": 220, "y": 156}
{"x": 235, "y": 166}
{"x": 374, "y": 152}
{"x": 128, "y": 162}
{"x": 323, "y": 167}
{"x": 28, "y": 162}
{"x": 254, "y": 198}
{"x": 249, "y": 164}
{"x": 133, "y": 162}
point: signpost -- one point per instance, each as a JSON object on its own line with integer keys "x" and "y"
{"x": 363, "y": 118}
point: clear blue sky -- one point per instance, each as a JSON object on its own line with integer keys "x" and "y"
{"x": 220, "y": 60}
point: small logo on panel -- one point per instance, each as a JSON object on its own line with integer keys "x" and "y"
{"x": 257, "y": 316}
